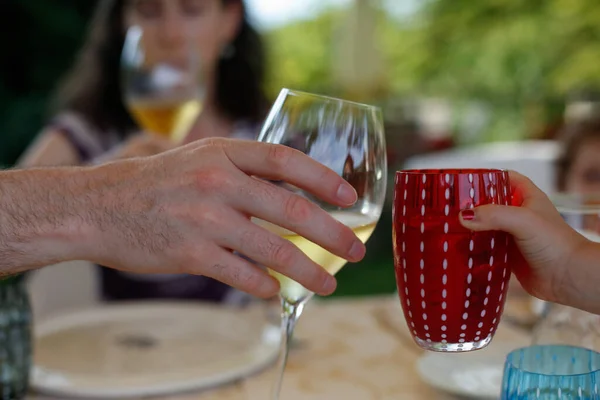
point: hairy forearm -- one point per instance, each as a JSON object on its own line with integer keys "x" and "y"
{"x": 42, "y": 217}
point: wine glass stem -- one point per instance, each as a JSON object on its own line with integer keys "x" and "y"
{"x": 290, "y": 312}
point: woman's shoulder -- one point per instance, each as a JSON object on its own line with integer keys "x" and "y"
{"x": 89, "y": 140}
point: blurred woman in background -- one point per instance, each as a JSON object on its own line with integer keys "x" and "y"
{"x": 92, "y": 124}
{"x": 579, "y": 165}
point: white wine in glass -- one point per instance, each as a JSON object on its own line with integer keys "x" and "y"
{"x": 348, "y": 138}
{"x": 164, "y": 93}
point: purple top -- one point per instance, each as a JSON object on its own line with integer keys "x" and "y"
{"x": 92, "y": 145}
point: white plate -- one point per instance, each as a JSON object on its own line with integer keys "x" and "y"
{"x": 149, "y": 349}
{"x": 475, "y": 374}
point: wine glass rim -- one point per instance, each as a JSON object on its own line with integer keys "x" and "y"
{"x": 286, "y": 91}
{"x": 452, "y": 171}
{"x": 513, "y": 365}
{"x": 570, "y": 202}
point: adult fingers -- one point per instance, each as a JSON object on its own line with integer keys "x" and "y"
{"x": 266, "y": 244}
{"x": 278, "y": 162}
{"x": 298, "y": 214}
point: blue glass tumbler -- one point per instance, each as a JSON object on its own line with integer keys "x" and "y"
{"x": 551, "y": 372}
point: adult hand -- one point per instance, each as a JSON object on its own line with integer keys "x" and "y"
{"x": 186, "y": 210}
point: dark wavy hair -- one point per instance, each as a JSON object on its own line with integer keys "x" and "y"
{"x": 573, "y": 137}
{"x": 93, "y": 86}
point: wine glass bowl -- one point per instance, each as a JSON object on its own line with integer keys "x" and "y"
{"x": 452, "y": 282}
{"x": 348, "y": 138}
{"x": 163, "y": 92}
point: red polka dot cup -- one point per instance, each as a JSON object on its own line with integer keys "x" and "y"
{"x": 452, "y": 282}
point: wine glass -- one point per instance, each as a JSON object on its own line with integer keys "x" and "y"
{"x": 348, "y": 138}
{"x": 452, "y": 282}
{"x": 163, "y": 91}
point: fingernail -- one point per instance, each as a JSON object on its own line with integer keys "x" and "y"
{"x": 330, "y": 285}
{"x": 347, "y": 194}
{"x": 357, "y": 252}
{"x": 468, "y": 215}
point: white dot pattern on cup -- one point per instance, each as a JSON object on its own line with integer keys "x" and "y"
{"x": 463, "y": 327}
{"x": 479, "y": 191}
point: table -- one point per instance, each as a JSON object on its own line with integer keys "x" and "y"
{"x": 347, "y": 349}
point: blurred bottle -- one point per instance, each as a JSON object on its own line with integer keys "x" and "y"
{"x": 15, "y": 338}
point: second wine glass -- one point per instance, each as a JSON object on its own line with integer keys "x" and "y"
{"x": 348, "y": 138}
{"x": 163, "y": 91}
